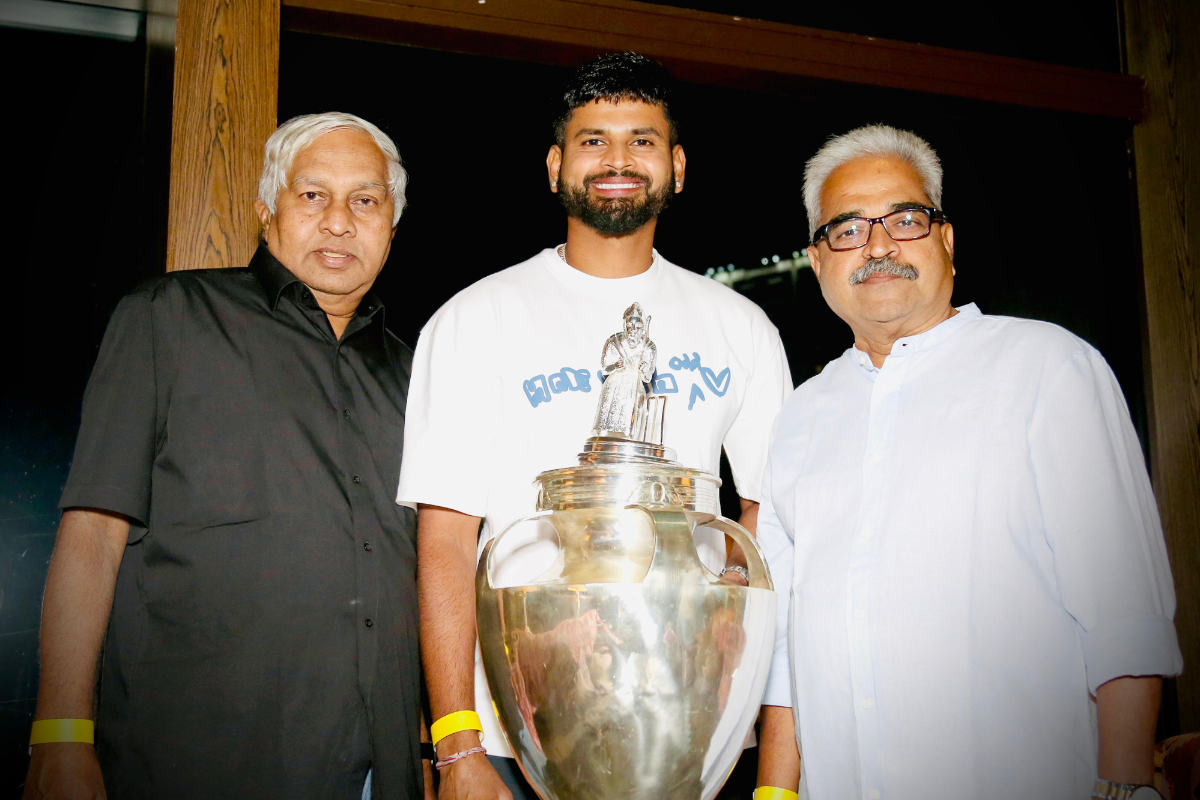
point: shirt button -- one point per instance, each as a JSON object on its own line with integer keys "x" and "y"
{"x": 865, "y": 533}
{"x": 356, "y": 480}
{"x": 367, "y": 546}
{"x": 368, "y": 622}
{"x": 873, "y": 794}
{"x": 346, "y": 413}
{"x": 875, "y": 459}
{"x": 860, "y": 614}
{"x": 867, "y": 704}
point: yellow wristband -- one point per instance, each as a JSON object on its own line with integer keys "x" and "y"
{"x": 453, "y": 723}
{"x": 63, "y": 730}
{"x": 773, "y": 793}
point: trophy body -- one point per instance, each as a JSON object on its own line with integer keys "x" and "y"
{"x": 626, "y": 669}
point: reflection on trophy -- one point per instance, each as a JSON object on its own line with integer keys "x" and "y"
{"x": 626, "y": 669}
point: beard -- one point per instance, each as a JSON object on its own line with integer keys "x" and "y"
{"x": 616, "y": 216}
{"x": 886, "y": 265}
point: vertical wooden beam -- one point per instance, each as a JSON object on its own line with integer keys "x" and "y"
{"x": 1162, "y": 41}
{"x": 226, "y": 96}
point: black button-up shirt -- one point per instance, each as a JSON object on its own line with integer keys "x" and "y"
{"x": 263, "y": 639}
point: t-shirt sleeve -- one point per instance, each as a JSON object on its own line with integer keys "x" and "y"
{"x": 118, "y": 432}
{"x": 453, "y": 408}
{"x": 1102, "y": 524}
{"x": 769, "y": 385}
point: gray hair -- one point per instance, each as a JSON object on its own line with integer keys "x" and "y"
{"x": 299, "y": 132}
{"x": 869, "y": 140}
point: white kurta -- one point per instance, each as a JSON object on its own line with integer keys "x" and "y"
{"x": 972, "y": 547}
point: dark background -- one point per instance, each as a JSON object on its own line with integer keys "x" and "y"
{"x": 1042, "y": 203}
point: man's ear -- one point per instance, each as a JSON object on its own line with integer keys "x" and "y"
{"x": 554, "y": 166}
{"x": 948, "y": 239}
{"x": 679, "y": 160}
{"x": 264, "y": 214}
{"x": 814, "y": 260}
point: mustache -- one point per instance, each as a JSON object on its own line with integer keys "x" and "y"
{"x": 612, "y": 173}
{"x": 887, "y": 266}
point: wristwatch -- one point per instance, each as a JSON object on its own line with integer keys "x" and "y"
{"x": 739, "y": 570}
{"x": 1108, "y": 790}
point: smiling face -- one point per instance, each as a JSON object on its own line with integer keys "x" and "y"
{"x": 617, "y": 169}
{"x": 889, "y": 295}
{"x": 332, "y": 226}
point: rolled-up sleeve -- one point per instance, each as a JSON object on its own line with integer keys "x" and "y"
{"x": 118, "y": 432}
{"x": 779, "y": 551}
{"x": 1102, "y": 524}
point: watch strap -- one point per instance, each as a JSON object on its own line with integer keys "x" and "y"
{"x": 1111, "y": 790}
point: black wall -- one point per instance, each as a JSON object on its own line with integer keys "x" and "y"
{"x": 77, "y": 233}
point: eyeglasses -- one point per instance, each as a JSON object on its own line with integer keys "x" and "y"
{"x": 903, "y": 226}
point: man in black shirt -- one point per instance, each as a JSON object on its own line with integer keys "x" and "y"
{"x": 231, "y": 504}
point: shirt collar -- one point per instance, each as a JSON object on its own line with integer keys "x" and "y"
{"x": 275, "y": 277}
{"x": 922, "y": 341}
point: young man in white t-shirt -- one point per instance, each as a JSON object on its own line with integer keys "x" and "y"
{"x": 506, "y": 376}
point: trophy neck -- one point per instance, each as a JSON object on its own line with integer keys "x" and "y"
{"x": 615, "y": 471}
{"x": 620, "y": 450}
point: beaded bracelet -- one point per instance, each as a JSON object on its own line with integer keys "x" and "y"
{"x": 450, "y": 759}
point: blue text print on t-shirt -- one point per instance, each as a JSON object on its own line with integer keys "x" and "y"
{"x": 539, "y": 388}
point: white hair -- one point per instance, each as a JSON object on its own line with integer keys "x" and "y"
{"x": 869, "y": 140}
{"x": 299, "y": 132}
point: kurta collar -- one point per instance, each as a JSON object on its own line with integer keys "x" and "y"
{"x": 922, "y": 341}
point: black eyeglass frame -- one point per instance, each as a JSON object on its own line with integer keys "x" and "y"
{"x": 935, "y": 215}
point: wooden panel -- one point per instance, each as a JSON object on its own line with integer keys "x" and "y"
{"x": 1163, "y": 46}
{"x": 714, "y": 48}
{"x": 226, "y": 95}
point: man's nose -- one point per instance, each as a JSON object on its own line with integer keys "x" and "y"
{"x": 618, "y": 157}
{"x": 338, "y": 220}
{"x": 880, "y": 244}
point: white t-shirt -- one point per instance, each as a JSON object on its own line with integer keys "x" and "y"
{"x": 506, "y": 377}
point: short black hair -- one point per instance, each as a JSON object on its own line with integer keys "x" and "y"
{"x": 616, "y": 77}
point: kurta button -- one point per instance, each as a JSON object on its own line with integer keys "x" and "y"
{"x": 367, "y": 546}
{"x": 368, "y": 622}
{"x": 356, "y": 480}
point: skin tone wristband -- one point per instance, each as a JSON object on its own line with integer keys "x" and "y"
{"x": 453, "y": 723}
{"x": 46, "y": 731}
{"x": 773, "y": 793}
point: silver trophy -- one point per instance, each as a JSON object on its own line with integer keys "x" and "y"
{"x": 626, "y": 668}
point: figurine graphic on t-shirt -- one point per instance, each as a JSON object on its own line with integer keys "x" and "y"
{"x": 627, "y": 364}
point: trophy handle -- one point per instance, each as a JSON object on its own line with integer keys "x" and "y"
{"x": 756, "y": 562}
{"x": 675, "y": 557}
{"x": 484, "y": 569}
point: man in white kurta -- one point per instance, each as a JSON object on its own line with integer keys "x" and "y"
{"x": 961, "y": 513}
